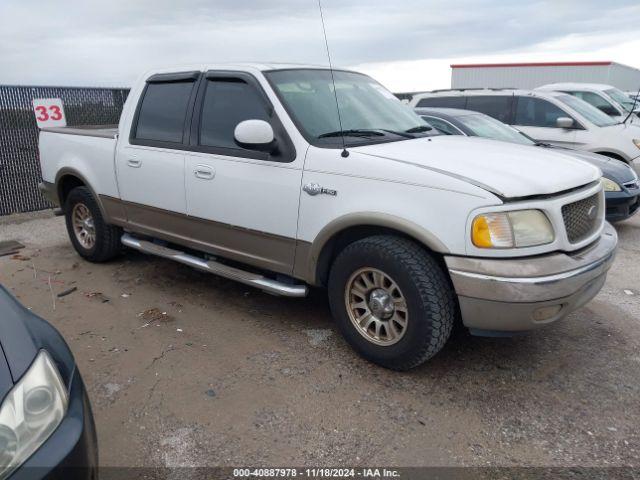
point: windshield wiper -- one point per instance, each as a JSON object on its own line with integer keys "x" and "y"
{"x": 400, "y": 134}
{"x": 419, "y": 129}
{"x": 352, "y": 133}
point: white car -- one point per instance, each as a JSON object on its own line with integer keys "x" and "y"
{"x": 546, "y": 116}
{"x": 610, "y": 100}
{"x": 634, "y": 95}
{"x": 244, "y": 171}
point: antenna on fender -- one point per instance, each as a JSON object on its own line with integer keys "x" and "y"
{"x": 344, "y": 153}
{"x": 633, "y": 108}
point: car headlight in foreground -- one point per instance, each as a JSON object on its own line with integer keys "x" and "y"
{"x": 521, "y": 228}
{"x": 609, "y": 185}
{"x": 30, "y": 413}
{"x": 636, "y": 142}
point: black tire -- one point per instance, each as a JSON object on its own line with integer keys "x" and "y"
{"x": 430, "y": 300}
{"x": 107, "y": 237}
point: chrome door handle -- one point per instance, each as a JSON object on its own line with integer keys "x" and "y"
{"x": 204, "y": 172}
{"x": 134, "y": 162}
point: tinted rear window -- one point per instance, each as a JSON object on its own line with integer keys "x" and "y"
{"x": 442, "y": 102}
{"x": 536, "y": 112}
{"x": 496, "y": 106}
{"x": 163, "y": 111}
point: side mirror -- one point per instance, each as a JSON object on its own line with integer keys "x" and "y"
{"x": 564, "y": 122}
{"x": 255, "y": 135}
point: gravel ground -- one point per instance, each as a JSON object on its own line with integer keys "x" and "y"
{"x": 187, "y": 369}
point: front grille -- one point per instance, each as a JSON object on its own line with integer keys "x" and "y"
{"x": 582, "y": 218}
{"x": 632, "y": 185}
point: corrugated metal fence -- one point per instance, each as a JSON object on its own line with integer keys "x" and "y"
{"x": 19, "y": 164}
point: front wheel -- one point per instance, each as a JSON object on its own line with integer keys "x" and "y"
{"x": 91, "y": 236}
{"x": 392, "y": 301}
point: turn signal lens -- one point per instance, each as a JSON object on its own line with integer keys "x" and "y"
{"x": 492, "y": 230}
{"x": 520, "y": 228}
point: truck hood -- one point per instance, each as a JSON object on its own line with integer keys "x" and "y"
{"x": 506, "y": 169}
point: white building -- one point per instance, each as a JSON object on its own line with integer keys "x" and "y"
{"x": 532, "y": 75}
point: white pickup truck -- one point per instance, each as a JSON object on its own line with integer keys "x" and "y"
{"x": 240, "y": 170}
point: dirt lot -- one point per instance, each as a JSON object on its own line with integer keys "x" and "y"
{"x": 184, "y": 368}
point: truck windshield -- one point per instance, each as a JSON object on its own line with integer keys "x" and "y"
{"x": 620, "y": 97}
{"x": 588, "y": 111}
{"x": 369, "y": 112}
{"x": 489, "y": 127}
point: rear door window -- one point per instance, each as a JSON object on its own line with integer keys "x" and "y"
{"x": 442, "y": 102}
{"x": 496, "y": 106}
{"x": 597, "y": 101}
{"x": 163, "y": 111}
{"x": 536, "y": 112}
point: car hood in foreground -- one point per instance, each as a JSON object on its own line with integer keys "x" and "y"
{"x": 6, "y": 381}
{"x": 22, "y": 335}
{"x": 15, "y": 338}
{"x": 508, "y": 170}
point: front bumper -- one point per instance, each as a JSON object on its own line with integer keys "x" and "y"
{"x": 71, "y": 452}
{"x": 622, "y": 205}
{"x": 510, "y": 295}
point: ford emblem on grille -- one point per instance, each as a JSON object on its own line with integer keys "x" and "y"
{"x": 581, "y": 218}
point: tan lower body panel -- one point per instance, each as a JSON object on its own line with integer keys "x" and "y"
{"x": 114, "y": 210}
{"x": 259, "y": 249}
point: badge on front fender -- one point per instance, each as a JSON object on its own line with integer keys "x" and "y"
{"x": 314, "y": 189}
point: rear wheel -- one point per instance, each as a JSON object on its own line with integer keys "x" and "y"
{"x": 90, "y": 235}
{"x": 392, "y": 301}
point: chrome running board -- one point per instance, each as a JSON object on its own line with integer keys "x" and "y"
{"x": 211, "y": 266}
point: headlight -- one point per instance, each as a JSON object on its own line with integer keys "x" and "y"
{"x": 636, "y": 142}
{"x": 609, "y": 185}
{"x": 30, "y": 413}
{"x": 521, "y": 228}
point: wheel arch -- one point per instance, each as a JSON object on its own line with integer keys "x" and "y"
{"x": 615, "y": 155}
{"x": 67, "y": 179}
{"x": 313, "y": 260}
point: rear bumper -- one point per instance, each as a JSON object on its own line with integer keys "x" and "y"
{"x": 510, "y": 295}
{"x": 622, "y": 205}
{"x": 48, "y": 191}
{"x": 71, "y": 452}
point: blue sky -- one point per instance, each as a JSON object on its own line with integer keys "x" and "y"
{"x": 408, "y": 45}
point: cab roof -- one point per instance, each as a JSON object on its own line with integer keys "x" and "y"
{"x": 239, "y": 66}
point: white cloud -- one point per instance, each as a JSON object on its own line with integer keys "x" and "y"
{"x": 407, "y": 45}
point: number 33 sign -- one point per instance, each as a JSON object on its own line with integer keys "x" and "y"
{"x": 49, "y": 112}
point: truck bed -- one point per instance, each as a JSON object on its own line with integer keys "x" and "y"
{"x": 88, "y": 151}
{"x": 103, "y": 131}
